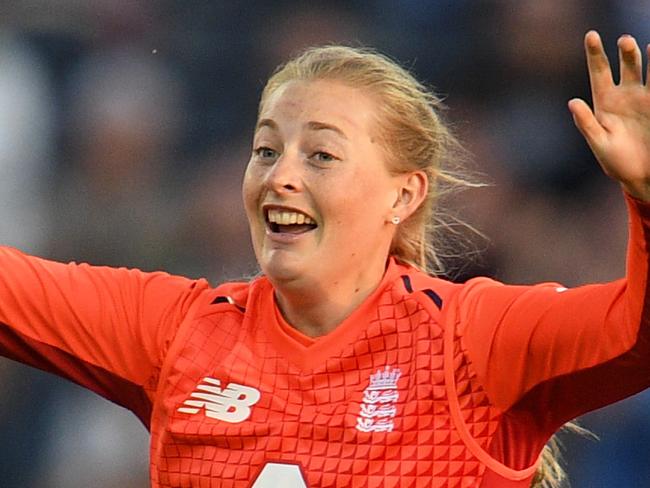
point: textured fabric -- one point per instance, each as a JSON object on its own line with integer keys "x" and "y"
{"x": 312, "y": 398}
{"x": 427, "y": 383}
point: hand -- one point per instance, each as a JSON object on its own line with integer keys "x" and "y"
{"x": 618, "y": 128}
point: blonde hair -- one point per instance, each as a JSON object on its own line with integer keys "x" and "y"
{"x": 415, "y": 138}
{"x": 411, "y": 130}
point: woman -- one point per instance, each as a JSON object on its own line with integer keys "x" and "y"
{"x": 345, "y": 364}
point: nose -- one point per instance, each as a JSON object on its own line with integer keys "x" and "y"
{"x": 284, "y": 175}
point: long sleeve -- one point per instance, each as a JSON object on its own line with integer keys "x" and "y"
{"x": 104, "y": 328}
{"x": 559, "y": 352}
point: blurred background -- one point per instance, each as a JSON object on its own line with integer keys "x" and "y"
{"x": 125, "y": 128}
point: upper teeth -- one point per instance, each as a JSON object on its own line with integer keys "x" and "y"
{"x": 284, "y": 217}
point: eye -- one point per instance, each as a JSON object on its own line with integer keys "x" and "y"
{"x": 264, "y": 152}
{"x": 323, "y": 157}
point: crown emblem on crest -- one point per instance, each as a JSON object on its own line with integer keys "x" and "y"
{"x": 385, "y": 380}
{"x": 378, "y": 408}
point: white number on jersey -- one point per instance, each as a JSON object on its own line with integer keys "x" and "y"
{"x": 275, "y": 475}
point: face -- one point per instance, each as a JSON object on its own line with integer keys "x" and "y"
{"x": 318, "y": 193}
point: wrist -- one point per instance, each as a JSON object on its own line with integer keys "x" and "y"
{"x": 638, "y": 192}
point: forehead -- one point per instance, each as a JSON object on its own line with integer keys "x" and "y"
{"x": 325, "y": 101}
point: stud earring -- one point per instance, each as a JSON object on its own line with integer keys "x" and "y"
{"x": 395, "y": 220}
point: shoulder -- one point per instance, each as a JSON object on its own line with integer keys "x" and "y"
{"x": 236, "y": 291}
{"x": 226, "y": 296}
{"x": 488, "y": 289}
{"x": 480, "y": 294}
{"x": 423, "y": 287}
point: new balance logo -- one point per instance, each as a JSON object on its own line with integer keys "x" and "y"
{"x": 230, "y": 404}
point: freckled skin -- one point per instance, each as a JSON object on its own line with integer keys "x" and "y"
{"x": 350, "y": 193}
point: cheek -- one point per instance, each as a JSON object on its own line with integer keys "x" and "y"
{"x": 371, "y": 193}
{"x": 251, "y": 188}
{"x": 360, "y": 208}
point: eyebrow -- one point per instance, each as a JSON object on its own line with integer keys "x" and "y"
{"x": 266, "y": 123}
{"x": 323, "y": 126}
{"x": 312, "y": 125}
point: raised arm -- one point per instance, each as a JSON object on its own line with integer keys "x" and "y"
{"x": 570, "y": 351}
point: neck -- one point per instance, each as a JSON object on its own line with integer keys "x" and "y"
{"x": 317, "y": 309}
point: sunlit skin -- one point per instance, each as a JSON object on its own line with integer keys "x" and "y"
{"x": 315, "y": 150}
{"x": 618, "y": 128}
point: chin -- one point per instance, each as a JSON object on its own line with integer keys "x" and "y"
{"x": 283, "y": 270}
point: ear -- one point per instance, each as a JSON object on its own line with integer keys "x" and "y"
{"x": 412, "y": 190}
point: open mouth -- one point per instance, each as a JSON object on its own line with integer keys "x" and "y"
{"x": 289, "y": 221}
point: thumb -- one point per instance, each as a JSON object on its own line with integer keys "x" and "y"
{"x": 587, "y": 124}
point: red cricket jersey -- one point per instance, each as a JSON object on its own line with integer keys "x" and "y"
{"x": 427, "y": 383}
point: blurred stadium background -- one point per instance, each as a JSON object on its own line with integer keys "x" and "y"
{"x": 125, "y": 128}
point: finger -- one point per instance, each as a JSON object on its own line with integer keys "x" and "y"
{"x": 629, "y": 56}
{"x": 647, "y": 75}
{"x": 587, "y": 124}
{"x": 600, "y": 74}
